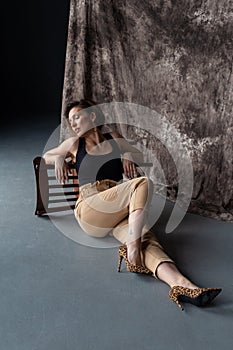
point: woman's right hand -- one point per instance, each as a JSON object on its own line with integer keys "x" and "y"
{"x": 62, "y": 170}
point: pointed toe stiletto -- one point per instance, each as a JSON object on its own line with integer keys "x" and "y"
{"x": 197, "y": 296}
{"x": 122, "y": 252}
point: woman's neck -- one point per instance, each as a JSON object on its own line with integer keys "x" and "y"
{"x": 93, "y": 137}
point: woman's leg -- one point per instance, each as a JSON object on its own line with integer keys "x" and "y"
{"x": 99, "y": 213}
{"x": 152, "y": 253}
{"x": 140, "y": 201}
{"x": 136, "y": 222}
{"x": 133, "y": 198}
{"x": 169, "y": 274}
{"x": 161, "y": 264}
{"x": 154, "y": 257}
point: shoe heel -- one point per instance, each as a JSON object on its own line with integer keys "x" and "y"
{"x": 174, "y": 297}
{"x": 122, "y": 252}
{"x": 119, "y": 263}
{"x": 178, "y": 303}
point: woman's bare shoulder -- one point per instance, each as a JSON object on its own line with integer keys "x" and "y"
{"x": 71, "y": 140}
{"x": 71, "y": 144}
{"x": 67, "y": 147}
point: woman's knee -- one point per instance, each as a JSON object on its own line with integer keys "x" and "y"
{"x": 148, "y": 183}
{"x": 145, "y": 179}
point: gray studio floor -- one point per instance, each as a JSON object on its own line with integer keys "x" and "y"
{"x": 57, "y": 294}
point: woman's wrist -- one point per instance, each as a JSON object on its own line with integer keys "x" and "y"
{"x": 128, "y": 156}
{"x": 59, "y": 159}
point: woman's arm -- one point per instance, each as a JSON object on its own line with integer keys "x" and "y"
{"x": 59, "y": 154}
{"x": 131, "y": 156}
{"x": 64, "y": 150}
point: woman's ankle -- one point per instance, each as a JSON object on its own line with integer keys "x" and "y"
{"x": 168, "y": 273}
{"x": 134, "y": 253}
{"x": 134, "y": 243}
{"x": 183, "y": 282}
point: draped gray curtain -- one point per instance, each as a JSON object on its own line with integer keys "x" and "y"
{"x": 174, "y": 57}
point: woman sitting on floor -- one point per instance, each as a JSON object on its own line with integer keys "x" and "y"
{"x": 106, "y": 203}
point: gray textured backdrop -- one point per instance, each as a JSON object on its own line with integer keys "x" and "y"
{"x": 174, "y": 57}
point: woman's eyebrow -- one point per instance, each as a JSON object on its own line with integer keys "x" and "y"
{"x": 74, "y": 114}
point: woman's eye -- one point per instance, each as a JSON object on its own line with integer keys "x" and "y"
{"x": 77, "y": 116}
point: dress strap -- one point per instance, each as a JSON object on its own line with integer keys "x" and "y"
{"x": 81, "y": 145}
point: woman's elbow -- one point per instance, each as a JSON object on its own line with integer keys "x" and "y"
{"x": 48, "y": 158}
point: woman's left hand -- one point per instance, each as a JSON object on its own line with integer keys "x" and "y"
{"x": 129, "y": 167}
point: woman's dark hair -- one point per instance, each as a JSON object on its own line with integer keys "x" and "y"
{"x": 91, "y": 106}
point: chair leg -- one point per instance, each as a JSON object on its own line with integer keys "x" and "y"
{"x": 42, "y": 186}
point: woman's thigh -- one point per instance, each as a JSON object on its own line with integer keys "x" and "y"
{"x": 95, "y": 221}
{"x": 99, "y": 213}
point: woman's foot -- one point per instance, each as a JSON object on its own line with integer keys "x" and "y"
{"x": 182, "y": 289}
{"x": 184, "y": 282}
{"x": 197, "y": 296}
{"x": 122, "y": 252}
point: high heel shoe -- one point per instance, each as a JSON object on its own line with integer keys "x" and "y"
{"x": 197, "y": 296}
{"x": 122, "y": 252}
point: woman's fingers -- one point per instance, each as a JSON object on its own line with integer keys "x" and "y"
{"x": 65, "y": 173}
{"x": 129, "y": 169}
{"x": 62, "y": 174}
{"x": 59, "y": 175}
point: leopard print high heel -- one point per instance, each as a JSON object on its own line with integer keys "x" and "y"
{"x": 122, "y": 252}
{"x": 197, "y": 296}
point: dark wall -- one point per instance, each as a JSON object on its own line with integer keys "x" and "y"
{"x": 35, "y": 35}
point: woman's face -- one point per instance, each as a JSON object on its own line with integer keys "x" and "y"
{"x": 81, "y": 121}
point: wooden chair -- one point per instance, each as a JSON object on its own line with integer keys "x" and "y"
{"x": 53, "y": 197}
{"x": 50, "y": 196}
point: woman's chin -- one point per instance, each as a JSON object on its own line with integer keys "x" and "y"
{"x": 78, "y": 133}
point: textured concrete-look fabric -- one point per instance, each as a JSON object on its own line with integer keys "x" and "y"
{"x": 174, "y": 57}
